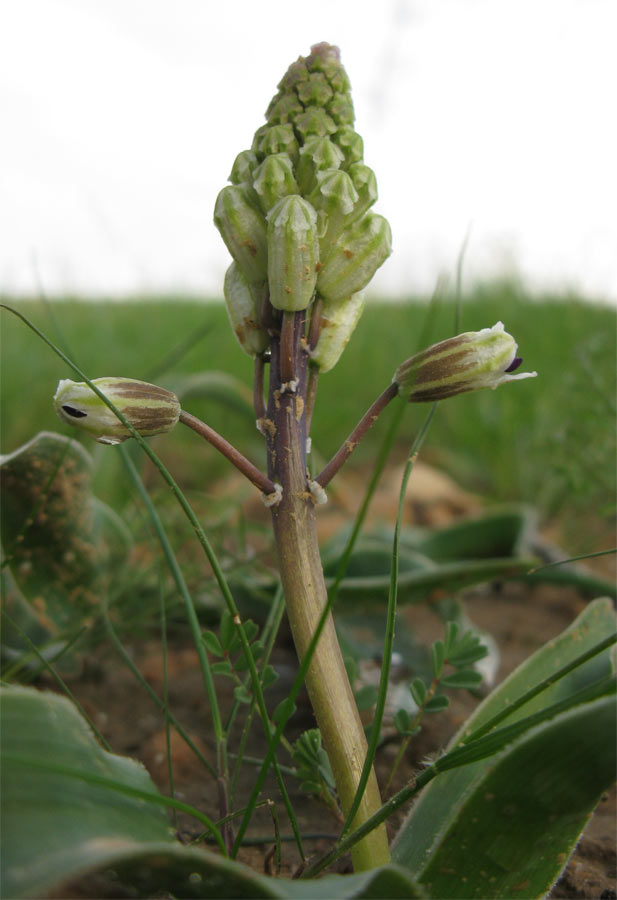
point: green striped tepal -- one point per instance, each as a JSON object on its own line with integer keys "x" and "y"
{"x": 148, "y": 408}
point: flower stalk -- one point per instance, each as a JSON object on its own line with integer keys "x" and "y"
{"x": 305, "y": 596}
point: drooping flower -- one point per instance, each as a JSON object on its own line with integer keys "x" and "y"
{"x": 150, "y": 409}
{"x": 467, "y": 362}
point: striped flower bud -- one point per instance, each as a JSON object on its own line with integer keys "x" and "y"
{"x": 274, "y": 179}
{"x": 293, "y": 253}
{"x": 243, "y": 301}
{"x": 336, "y": 196}
{"x": 356, "y": 256}
{"x": 149, "y": 409}
{"x": 467, "y": 362}
{"x": 338, "y": 321}
{"x": 243, "y": 229}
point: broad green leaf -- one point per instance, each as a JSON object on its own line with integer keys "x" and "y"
{"x": 64, "y": 546}
{"x": 58, "y": 826}
{"x": 416, "y": 585}
{"x": 55, "y": 825}
{"x": 423, "y": 842}
{"x": 504, "y": 532}
{"x": 512, "y": 834}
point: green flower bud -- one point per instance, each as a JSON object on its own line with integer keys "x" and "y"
{"x": 365, "y": 184}
{"x": 274, "y": 179}
{"x": 351, "y": 144}
{"x": 315, "y": 122}
{"x": 277, "y": 139}
{"x": 358, "y": 253}
{"x": 315, "y": 91}
{"x": 340, "y": 108}
{"x": 243, "y": 167}
{"x": 243, "y": 301}
{"x": 316, "y": 154}
{"x": 335, "y": 195}
{"x": 283, "y": 108}
{"x": 149, "y": 409}
{"x": 468, "y": 362}
{"x": 293, "y": 253}
{"x": 243, "y": 229}
{"x": 338, "y": 321}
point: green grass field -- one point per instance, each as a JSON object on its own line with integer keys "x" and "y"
{"x": 548, "y": 441}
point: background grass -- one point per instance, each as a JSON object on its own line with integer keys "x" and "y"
{"x": 549, "y": 441}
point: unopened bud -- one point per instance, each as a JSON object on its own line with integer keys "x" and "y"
{"x": 351, "y": 144}
{"x": 317, "y": 154}
{"x": 277, "y": 139}
{"x": 340, "y": 108}
{"x": 315, "y": 122}
{"x": 336, "y": 196}
{"x": 356, "y": 256}
{"x": 283, "y": 108}
{"x": 243, "y": 229}
{"x": 467, "y": 362}
{"x": 293, "y": 253}
{"x": 274, "y": 179}
{"x": 244, "y": 165}
{"x": 149, "y": 409}
{"x": 365, "y": 184}
{"x": 315, "y": 90}
{"x": 243, "y": 301}
{"x": 338, "y": 321}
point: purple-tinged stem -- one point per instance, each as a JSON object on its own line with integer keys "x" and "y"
{"x": 234, "y": 456}
{"x": 348, "y": 447}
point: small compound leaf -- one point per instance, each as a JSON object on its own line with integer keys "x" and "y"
{"x": 418, "y": 691}
{"x": 437, "y": 703}
{"x": 465, "y": 678}
{"x": 212, "y": 643}
{"x": 366, "y": 697}
{"x": 241, "y": 694}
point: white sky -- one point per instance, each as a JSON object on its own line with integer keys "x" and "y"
{"x": 120, "y": 120}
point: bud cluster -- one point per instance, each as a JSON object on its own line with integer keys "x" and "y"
{"x": 296, "y": 217}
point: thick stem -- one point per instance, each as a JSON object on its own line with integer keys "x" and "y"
{"x": 305, "y": 595}
{"x": 366, "y": 422}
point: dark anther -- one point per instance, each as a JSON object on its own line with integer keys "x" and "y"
{"x": 515, "y": 364}
{"x": 76, "y": 413}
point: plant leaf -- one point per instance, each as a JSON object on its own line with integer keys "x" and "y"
{"x": 65, "y": 547}
{"x": 58, "y": 828}
{"x": 528, "y": 768}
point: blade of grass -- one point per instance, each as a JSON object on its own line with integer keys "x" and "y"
{"x": 390, "y": 624}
